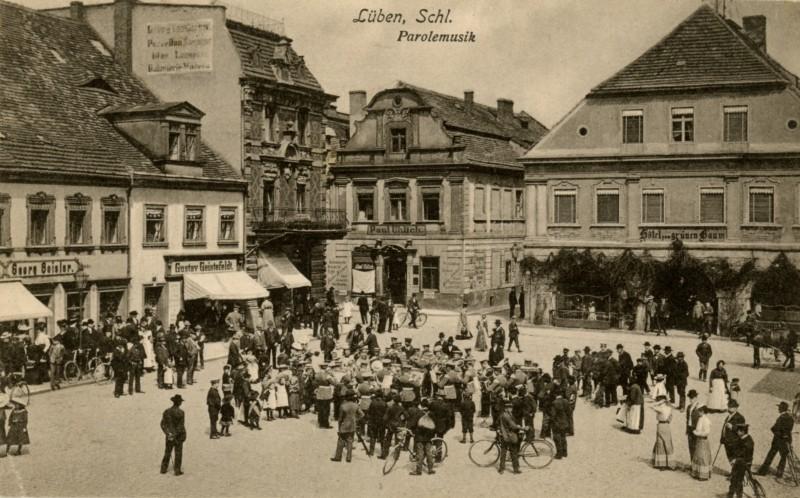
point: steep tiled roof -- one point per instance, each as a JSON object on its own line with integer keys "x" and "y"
{"x": 256, "y": 51}
{"x": 703, "y": 51}
{"x": 49, "y": 120}
{"x": 479, "y": 117}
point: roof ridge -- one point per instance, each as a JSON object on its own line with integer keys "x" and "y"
{"x": 43, "y": 12}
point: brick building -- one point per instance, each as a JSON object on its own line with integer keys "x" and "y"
{"x": 434, "y": 197}
{"x": 697, "y": 139}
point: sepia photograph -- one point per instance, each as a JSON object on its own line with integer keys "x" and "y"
{"x": 398, "y": 248}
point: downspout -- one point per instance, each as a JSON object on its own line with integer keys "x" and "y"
{"x": 128, "y": 239}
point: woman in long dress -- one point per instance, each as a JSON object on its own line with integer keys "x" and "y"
{"x": 718, "y": 388}
{"x": 462, "y": 329}
{"x": 347, "y": 310}
{"x": 634, "y": 417}
{"x": 701, "y": 458}
{"x": 149, "y": 352}
{"x": 480, "y": 336}
{"x": 17, "y": 428}
{"x": 294, "y": 396}
{"x": 281, "y": 397}
{"x": 663, "y": 450}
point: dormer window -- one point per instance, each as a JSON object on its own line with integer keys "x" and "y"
{"x": 183, "y": 139}
{"x": 398, "y": 140}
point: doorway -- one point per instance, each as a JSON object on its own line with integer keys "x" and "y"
{"x": 394, "y": 276}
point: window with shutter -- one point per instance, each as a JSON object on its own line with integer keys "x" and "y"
{"x": 564, "y": 206}
{"x": 653, "y": 206}
{"x": 632, "y": 127}
{"x": 762, "y": 205}
{"x": 607, "y": 206}
{"x": 735, "y": 124}
{"x": 712, "y": 205}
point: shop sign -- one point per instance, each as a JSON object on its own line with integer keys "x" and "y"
{"x": 179, "y": 47}
{"x": 695, "y": 234}
{"x": 32, "y": 268}
{"x": 393, "y": 229}
{"x": 202, "y": 266}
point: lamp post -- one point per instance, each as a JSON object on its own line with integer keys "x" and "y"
{"x": 81, "y": 279}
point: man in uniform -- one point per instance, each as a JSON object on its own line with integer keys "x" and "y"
{"x": 681, "y": 379}
{"x": 413, "y": 310}
{"x": 376, "y": 421}
{"x": 781, "y": 440}
{"x": 509, "y": 431}
{"x": 214, "y": 405}
{"x": 172, "y": 424}
{"x": 560, "y": 422}
{"x": 136, "y": 357}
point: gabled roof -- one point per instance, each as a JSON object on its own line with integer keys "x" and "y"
{"x": 257, "y": 52}
{"x": 479, "y": 117}
{"x": 155, "y": 108}
{"x": 49, "y": 119}
{"x": 703, "y": 51}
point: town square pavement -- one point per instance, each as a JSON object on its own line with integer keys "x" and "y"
{"x": 87, "y": 443}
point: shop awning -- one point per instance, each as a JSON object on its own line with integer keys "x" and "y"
{"x": 276, "y": 271}
{"x": 19, "y": 304}
{"x": 230, "y": 286}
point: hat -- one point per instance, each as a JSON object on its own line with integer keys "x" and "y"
{"x": 783, "y": 406}
{"x": 692, "y": 393}
{"x": 498, "y": 322}
{"x": 680, "y": 354}
{"x": 6, "y": 335}
{"x": 407, "y": 339}
{"x": 177, "y": 399}
{"x": 657, "y": 347}
{"x": 587, "y": 349}
{"x": 619, "y": 346}
{"x": 732, "y": 403}
{"x": 646, "y": 343}
{"x": 659, "y": 377}
{"x": 703, "y": 337}
{"x": 214, "y": 381}
{"x": 667, "y": 348}
{"x": 198, "y": 327}
{"x": 23, "y": 327}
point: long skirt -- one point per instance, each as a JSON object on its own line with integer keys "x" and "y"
{"x": 282, "y": 398}
{"x": 480, "y": 340}
{"x": 701, "y": 460}
{"x": 149, "y": 354}
{"x": 717, "y": 399}
{"x": 662, "y": 450}
{"x": 294, "y": 402}
{"x": 634, "y": 418}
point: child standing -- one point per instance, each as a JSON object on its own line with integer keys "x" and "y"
{"x": 227, "y": 381}
{"x": 254, "y": 415}
{"x": 227, "y": 415}
{"x": 734, "y": 389}
{"x": 467, "y": 409}
{"x": 17, "y": 428}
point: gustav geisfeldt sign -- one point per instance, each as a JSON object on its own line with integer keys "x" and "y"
{"x": 179, "y": 46}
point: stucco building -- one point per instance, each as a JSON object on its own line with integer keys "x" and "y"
{"x": 697, "y": 139}
{"x": 265, "y": 113}
{"x": 434, "y": 197}
{"x": 103, "y": 187}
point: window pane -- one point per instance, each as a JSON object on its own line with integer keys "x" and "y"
{"x": 736, "y": 124}
{"x": 191, "y": 144}
{"x": 227, "y": 224}
{"x": 194, "y": 224}
{"x": 632, "y": 129}
{"x": 398, "y": 139}
{"x": 712, "y": 206}
{"x": 564, "y": 208}
{"x": 430, "y": 273}
{"x": 38, "y": 229}
{"x": 761, "y": 206}
{"x": 365, "y": 206}
{"x": 111, "y": 227}
{"x": 154, "y": 225}
{"x": 175, "y": 142}
{"x": 430, "y": 206}
{"x": 397, "y": 203}
{"x": 301, "y": 198}
{"x": 518, "y": 204}
{"x": 269, "y": 197}
{"x": 607, "y": 206}
{"x": 77, "y": 218}
{"x": 653, "y": 207}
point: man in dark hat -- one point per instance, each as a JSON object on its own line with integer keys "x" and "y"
{"x": 172, "y": 424}
{"x": 349, "y": 415}
{"x": 214, "y": 403}
{"x": 692, "y": 416}
{"x": 781, "y": 440}
{"x": 704, "y": 353}
{"x": 729, "y": 438}
{"x": 625, "y": 367}
{"x": 741, "y": 459}
{"x": 498, "y": 334}
{"x": 681, "y": 379}
{"x": 136, "y": 356}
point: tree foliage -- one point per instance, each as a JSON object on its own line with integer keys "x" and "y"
{"x": 779, "y": 284}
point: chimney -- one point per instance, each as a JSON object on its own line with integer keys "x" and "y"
{"x": 76, "y": 10}
{"x": 505, "y": 109}
{"x": 358, "y": 101}
{"x": 756, "y": 28}
{"x": 469, "y": 98}
{"x": 123, "y": 32}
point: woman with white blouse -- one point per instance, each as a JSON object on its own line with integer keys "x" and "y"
{"x": 701, "y": 459}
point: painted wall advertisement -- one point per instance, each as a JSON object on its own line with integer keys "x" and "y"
{"x": 179, "y": 47}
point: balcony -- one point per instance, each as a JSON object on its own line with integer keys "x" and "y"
{"x": 300, "y": 220}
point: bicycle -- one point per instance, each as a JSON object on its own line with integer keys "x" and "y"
{"x": 756, "y": 487}
{"x": 405, "y": 318}
{"x": 402, "y": 437}
{"x": 17, "y": 388}
{"x": 72, "y": 370}
{"x": 791, "y": 474}
{"x": 100, "y": 369}
{"x": 536, "y": 453}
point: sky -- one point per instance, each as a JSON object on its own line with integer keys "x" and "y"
{"x": 545, "y": 55}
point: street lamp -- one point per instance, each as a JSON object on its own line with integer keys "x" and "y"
{"x": 81, "y": 279}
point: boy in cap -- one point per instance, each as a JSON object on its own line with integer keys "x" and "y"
{"x": 467, "y": 409}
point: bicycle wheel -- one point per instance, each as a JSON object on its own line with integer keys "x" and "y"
{"x": 402, "y": 319}
{"x": 439, "y": 449}
{"x": 538, "y": 453}
{"x": 421, "y": 319}
{"x": 93, "y": 368}
{"x": 71, "y": 372}
{"x": 391, "y": 458}
{"x": 484, "y": 453}
{"x": 758, "y": 489}
{"x": 20, "y": 392}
